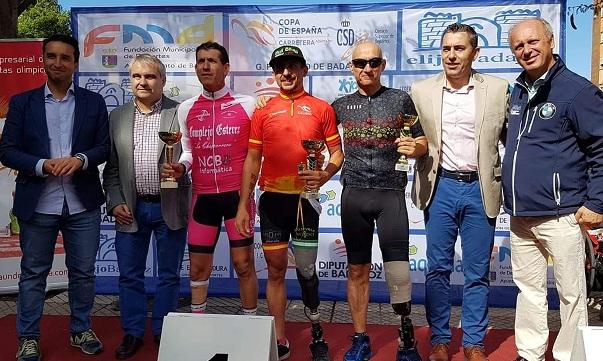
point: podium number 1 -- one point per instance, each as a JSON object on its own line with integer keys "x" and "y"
{"x": 219, "y": 357}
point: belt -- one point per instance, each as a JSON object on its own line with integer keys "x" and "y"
{"x": 151, "y": 198}
{"x": 465, "y": 176}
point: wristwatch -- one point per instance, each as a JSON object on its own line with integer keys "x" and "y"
{"x": 81, "y": 157}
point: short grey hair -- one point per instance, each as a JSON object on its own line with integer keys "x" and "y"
{"x": 149, "y": 59}
{"x": 462, "y": 28}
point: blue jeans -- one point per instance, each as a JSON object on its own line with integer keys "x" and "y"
{"x": 81, "y": 236}
{"x": 456, "y": 208}
{"x": 131, "y": 250}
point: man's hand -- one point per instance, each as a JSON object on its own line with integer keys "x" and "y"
{"x": 242, "y": 222}
{"x": 589, "y": 218}
{"x": 61, "y": 167}
{"x": 314, "y": 178}
{"x": 122, "y": 214}
{"x": 320, "y": 160}
{"x": 261, "y": 101}
{"x": 406, "y": 145}
{"x": 175, "y": 170}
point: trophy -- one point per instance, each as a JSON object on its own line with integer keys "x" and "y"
{"x": 407, "y": 122}
{"x": 313, "y": 147}
{"x": 169, "y": 138}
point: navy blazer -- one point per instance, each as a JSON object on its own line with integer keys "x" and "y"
{"x": 25, "y": 141}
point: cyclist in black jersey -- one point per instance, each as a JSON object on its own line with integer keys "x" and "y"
{"x": 373, "y": 193}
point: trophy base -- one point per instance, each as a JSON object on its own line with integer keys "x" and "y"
{"x": 169, "y": 184}
{"x": 310, "y": 195}
{"x": 401, "y": 167}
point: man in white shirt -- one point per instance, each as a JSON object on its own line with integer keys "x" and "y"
{"x": 457, "y": 185}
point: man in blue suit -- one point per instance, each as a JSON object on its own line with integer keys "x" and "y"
{"x": 55, "y": 136}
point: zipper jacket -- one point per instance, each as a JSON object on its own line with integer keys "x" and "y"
{"x": 553, "y": 161}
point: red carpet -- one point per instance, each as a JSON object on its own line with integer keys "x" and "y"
{"x": 55, "y": 344}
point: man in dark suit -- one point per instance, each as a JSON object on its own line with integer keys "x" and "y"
{"x": 140, "y": 206}
{"x": 56, "y": 136}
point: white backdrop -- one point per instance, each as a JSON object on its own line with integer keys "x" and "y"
{"x": 410, "y": 37}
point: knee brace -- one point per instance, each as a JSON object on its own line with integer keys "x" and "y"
{"x": 196, "y": 284}
{"x": 309, "y": 290}
{"x": 397, "y": 276}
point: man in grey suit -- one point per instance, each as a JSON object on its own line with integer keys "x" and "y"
{"x": 140, "y": 206}
{"x": 458, "y": 186}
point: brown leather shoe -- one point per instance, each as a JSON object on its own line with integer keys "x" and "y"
{"x": 475, "y": 353}
{"x": 439, "y": 352}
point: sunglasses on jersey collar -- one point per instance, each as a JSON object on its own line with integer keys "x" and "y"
{"x": 373, "y": 63}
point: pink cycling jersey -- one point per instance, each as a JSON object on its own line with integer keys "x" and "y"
{"x": 215, "y": 134}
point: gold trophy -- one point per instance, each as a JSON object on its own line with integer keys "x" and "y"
{"x": 407, "y": 122}
{"x": 169, "y": 138}
{"x": 313, "y": 147}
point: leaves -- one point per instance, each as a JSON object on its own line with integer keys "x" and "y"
{"x": 43, "y": 19}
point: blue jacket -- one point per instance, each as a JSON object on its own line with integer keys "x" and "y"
{"x": 25, "y": 141}
{"x": 553, "y": 162}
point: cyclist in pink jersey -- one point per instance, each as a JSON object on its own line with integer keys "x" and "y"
{"x": 215, "y": 133}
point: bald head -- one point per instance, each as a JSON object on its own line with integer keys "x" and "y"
{"x": 535, "y": 23}
{"x": 367, "y": 65}
{"x": 367, "y": 47}
{"x": 532, "y": 43}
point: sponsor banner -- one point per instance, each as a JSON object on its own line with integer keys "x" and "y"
{"x": 109, "y": 43}
{"x": 257, "y": 85}
{"x": 332, "y": 261}
{"x": 422, "y": 32}
{"x": 325, "y": 40}
{"x": 116, "y": 88}
{"x": 21, "y": 68}
{"x": 409, "y": 34}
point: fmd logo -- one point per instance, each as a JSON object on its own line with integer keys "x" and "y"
{"x": 108, "y": 34}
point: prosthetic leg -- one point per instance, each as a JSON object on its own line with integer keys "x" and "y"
{"x": 397, "y": 275}
{"x": 309, "y": 288}
{"x": 407, "y": 349}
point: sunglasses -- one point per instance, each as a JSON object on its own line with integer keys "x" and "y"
{"x": 373, "y": 63}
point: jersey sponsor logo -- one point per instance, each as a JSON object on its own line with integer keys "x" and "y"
{"x": 220, "y": 130}
{"x": 201, "y": 116}
{"x": 274, "y": 114}
{"x": 304, "y": 110}
{"x": 353, "y": 106}
{"x": 515, "y": 109}
{"x": 228, "y": 114}
{"x": 228, "y": 105}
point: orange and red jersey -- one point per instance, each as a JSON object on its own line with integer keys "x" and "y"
{"x": 278, "y": 129}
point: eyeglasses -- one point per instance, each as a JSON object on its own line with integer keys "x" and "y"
{"x": 373, "y": 63}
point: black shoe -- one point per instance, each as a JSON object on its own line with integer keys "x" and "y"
{"x": 128, "y": 348}
{"x": 319, "y": 350}
{"x": 283, "y": 351}
{"x": 157, "y": 339}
